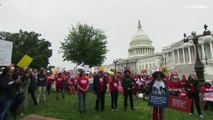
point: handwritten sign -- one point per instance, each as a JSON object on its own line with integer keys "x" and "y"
{"x": 156, "y": 100}
{"x": 181, "y": 104}
{"x": 5, "y": 52}
{"x": 208, "y": 96}
{"x": 25, "y": 61}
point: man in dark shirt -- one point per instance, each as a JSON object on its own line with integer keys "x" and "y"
{"x": 128, "y": 84}
{"x": 99, "y": 87}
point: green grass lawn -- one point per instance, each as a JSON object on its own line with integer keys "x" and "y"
{"x": 67, "y": 109}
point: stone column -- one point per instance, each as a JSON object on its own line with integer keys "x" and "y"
{"x": 189, "y": 54}
{"x": 173, "y": 56}
{"x": 203, "y": 52}
{"x": 184, "y": 60}
{"x": 178, "y": 52}
{"x": 211, "y": 49}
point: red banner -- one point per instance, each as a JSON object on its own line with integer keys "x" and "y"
{"x": 181, "y": 104}
{"x": 208, "y": 96}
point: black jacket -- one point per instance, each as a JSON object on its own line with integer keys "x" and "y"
{"x": 195, "y": 83}
{"x": 9, "y": 90}
{"x": 96, "y": 85}
{"x": 128, "y": 82}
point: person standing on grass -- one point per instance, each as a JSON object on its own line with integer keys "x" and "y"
{"x": 192, "y": 87}
{"x": 157, "y": 86}
{"x": 71, "y": 86}
{"x": 128, "y": 84}
{"x": 49, "y": 82}
{"x": 100, "y": 87}
{"x": 113, "y": 85}
{"x": 42, "y": 84}
{"x": 60, "y": 85}
{"x": 82, "y": 86}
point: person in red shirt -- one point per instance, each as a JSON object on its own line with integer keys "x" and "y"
{"x": 207, "y": 88}
{"x": 60, "y": 85}
{"x": 183, "y": 94}
{"x": 82, "y": 86}
{"x": 114, "y": 92}
{"x": 183, "y": 81}
{"x": 49, "y": 81}
{"x": 71, "y": 86}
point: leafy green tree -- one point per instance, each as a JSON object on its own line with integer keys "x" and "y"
{"x": 85, "y": 45}
{"x": 31, "y": 44}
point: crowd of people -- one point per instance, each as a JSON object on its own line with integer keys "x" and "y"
{"x": 17, "y": 83}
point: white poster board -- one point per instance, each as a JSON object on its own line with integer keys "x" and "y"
{"x": 5, "y": 52}
{"x": 86, "y": 68}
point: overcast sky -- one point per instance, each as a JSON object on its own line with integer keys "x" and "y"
{"x": 164, "y": 21}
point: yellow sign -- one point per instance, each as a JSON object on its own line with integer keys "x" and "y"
{"x": 164, "y": 70}
{"x": 102, "y": 68}
{"x": 110, "y": 72}
{"x": 25, "y": 62}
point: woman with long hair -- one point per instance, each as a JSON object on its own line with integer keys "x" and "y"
{"x": 113, "y": 85}
{"x": 192, "y": 87}
{"x": 82, "y": 86}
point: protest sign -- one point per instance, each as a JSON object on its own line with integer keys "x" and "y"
{"x": 5, "y": 52}
{"x": 157, "y": 100}
{"x": 208, "y": 96}
{"x": 86, "y": 68}
{"x": 25, "y": 62}
{"x": 181, "y": 104}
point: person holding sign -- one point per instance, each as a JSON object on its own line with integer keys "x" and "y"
{"x": 207, "y": 91}
{"x": 157, "y": 86}
{"x": 192, "y": 87}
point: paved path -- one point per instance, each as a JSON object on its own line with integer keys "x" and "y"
{"x": 36, "y": 117}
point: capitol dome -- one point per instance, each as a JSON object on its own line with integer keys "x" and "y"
{"x": 140, "y": 45}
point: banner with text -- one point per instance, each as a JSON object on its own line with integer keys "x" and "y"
{"x": 208, "y": 96}
{"x": 5, "y": 52}
{"x": 156, "y": 100}
{"x": 181, "y": 104}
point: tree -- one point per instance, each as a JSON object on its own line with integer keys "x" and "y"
{"x": 85, "y": 45}
{"x": 31, "y": 44}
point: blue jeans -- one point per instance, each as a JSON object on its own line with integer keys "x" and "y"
{"x": 80, "y": 97}
{"x": 5, "y": 108}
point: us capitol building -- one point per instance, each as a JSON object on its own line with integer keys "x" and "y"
{"x": 176, "y": 57}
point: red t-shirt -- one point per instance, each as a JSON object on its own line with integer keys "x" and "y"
{"x": 113, "y": 85}
{"x": 83, "y": 82}
{"x": 59, "y": 82}
{"x": 183, "y": 94}
{"x": 204, "y": 89}
{"x": 49, "y": 80}
{"x": 101, "y": 84}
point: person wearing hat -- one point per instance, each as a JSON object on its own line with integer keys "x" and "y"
{"x": 157, "y": 86}
{"x": 128, "y": 84}
{"x": 100, "y": 87}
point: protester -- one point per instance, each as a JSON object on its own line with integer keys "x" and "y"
{"x": 49, "y": 82}
{"x": 157, "y": 86}
{"x": 192, "y": 87}
{"x": 26, "y": 80}
{"x": 100, "y": 87}
{"x": 113, "y": 85}
{"x": 8, "y": 89}
{"x": 207, "y": 88}
{"x": 128, "y": 84}
{"x": 60, "y": 85}
{"x": 71, "y": 86}
{"x": 42, "y": 83}
{"x": 82, "y": 85}
{"x": 33, "y": 87}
